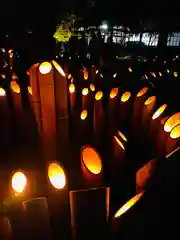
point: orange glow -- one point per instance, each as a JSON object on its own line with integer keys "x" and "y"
{"x": 91, "y": 160}
{"x": 2, "y": 92}
{"x": 84, "y": 114}
{"x": 45, "y": 67}
{"x": 14, "y": 77}
{"x": 3, "y": 76}
{"x": 163, "y": 120}
{"x": 125, "y": 97}
{"x": 159, "y": 111}
{"x": 99, "y": 95}
{"x": 175, "y": 74}
{"x": 85, "y": 91}
{"x": 172, "y": 122}
{"x": 142, "y": 92}
{"x": 30, "y": 90}
{"x": 122, "y": 136}
{"x": 130, "y": 69}
{"x": 10, "y": 51}
{"x": 56, "y": 175}
{"x": 69, "y": 76}
{"x": 85, "y": 74}
{"x": 92, "y": 87}
{"x": 175, "y": 133}
{"x": 150, "y": 100}
{"x": 128, "y": 205}
{"x": 72, "y": 88}
{"x": 11, "y": 55}
{"x": 15, "y": 87}
{"x": 19, "y": 182}
{"x": 114, "y": 93}
{"x": 119, "y": 142}
{"x": 58, "y": 68}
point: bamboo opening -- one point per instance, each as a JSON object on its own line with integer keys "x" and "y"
{"x": 125, "y": 97}
{"x": 58, "y": 68}
{"x": 175, "y": 133}
{"x": 119, "y": 142}
{"x": 159, "y": 111}
{"x": 56, "y": 176}
{"x": 173, "y": 121}
{"x": 98, "y": 95}
{"x": 19, "y": 182}
{"x": 113, "y": 93}
{"x": 84, "y": 114}
{"x": 142, "y": 92}
{"x": 45, "y": 67}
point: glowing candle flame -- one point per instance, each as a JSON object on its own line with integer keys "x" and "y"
{"x": 72, "y": 88}
{"x": 56, "y": 176}
{"x": 150, "y": 100}
{"x": 45, "y": 67}
{"x": 98, "y": 95}
{"x": 85, "y": 91}
{"x": 159, "y": 111}
{"x": 92, "y": 87}
{"x": 85, "y": 74}
{"x": 173, "y": 121}
{"x": 114, "y": 93}
{"x": 15, "y": 87}
{"x": 142, "y": 92}
{"x": 125, "y": 97}
{"x": 2, "y": 92}
{"x": 19, "y": 182}
{"x": 84, "y": 114}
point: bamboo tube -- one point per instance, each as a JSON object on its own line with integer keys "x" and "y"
{"x": 85, "y": 98}
{"x": 124, "y": 108}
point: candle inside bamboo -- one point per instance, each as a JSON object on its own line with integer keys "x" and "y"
{"x": 72, "y": 97}
{"x": 85, "y": 97}
{"x": 173, "y": 139}
{"x": 124, "y": 108}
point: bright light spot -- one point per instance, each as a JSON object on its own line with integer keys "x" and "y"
{"x": 85, "y": 91}
{"x": 114, "y": 76}
{"x": 130, "y": 69}
{"x": 168, "y": 71}
{"x": 119, "y": 142}
{"x": 172, "y": 122}
{"x": 45, "y": 67}
{"x": 84, "y": 114}
{"x": 113, "y": 93}
{"x": 85, "y": 74}
{"x": 104, "y": 26}
{"x": 97, "y": 71}
{"x": 91, "y": 160}
{"x": 153, "y": 74}
{"x": 30, "y": 90}
{"x": 146, "y": 76}
{"x": 125, "y": 97}
{"x": 56, "y": 176}
{"x": 128, "y": 205}
{"x": 175, "y": 74}
{"x": 15, "y": 87}
{"x": 3, "y": 76}
{"x": 72, "y": 88}
{"x": 160, "y": 74}
{"x": 92, "y": 87}
{"x": 159, "y": 111}
{"x": 175, "y": 133}
{"x": 150, "y": 100}
{"x": 3, "y": 50}
{"x": 69, "y": 76}
{"x": 99, "y": 95}
{"x": 19, "y": 182}
{"x": 142, "y": 92}
{"x": 2, "y": 92}
{"x": 58, "y": 68}
{"x": 122, "y": 136}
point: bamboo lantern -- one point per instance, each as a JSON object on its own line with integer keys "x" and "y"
{"x": 85, "y": 98}
{"x": 5, "y": 229}
{"x": 122, "y": 138}
{"x": 124, "y": 107}
{"x": 173, "y": 139}
{"x": 98, "y": 115}
{"x": 175, "y": 74}
{"x": 85, "y": 74}
{"x": 36, "y": 102}
{"x": 16, "y": 97}
{"x": 58, "y": 200}
{"x": 91, "y": 166}
{"x": 72, "y": 97}
{"x": 89, "y": 213}
{"x": 92, "y": 87}
{"x": 37, "y": 215}
{"x": 173, "y": 121}
{"x": 138, "y": 108}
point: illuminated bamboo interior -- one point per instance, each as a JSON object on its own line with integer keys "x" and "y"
{"x": 2, "y": 92}
{"x": 175, "y": 133}
{"x": 173, "y": 121}
{"x": 175, "y": 74}
{"x": 19, "y": 182}
{"x": 128, "y": 205}
{"x": 91, "y": 160}
{"x": 85, "y": 91}
{"x": 113, "y": 93}
{"x": 122, "y": 136}
{"x": 3, "y": 76}
{"x": 58, "y": 68}
{"x": 159, "y": 111}
{"x": 72, "y": 88}
{"x": 160, "y": 74}
{"x": 56, "y": 176}
{"x": 150, "y": 100}
{"x": 15, "y": 87}
{"x": 69, "y": 76}
{"x": 130, "y": 69}
{"x": 125, "y": 97}
{"x": 119, "y": 142}
{"x": 92, "y": 87}
{"x": 114, "y": 76}
{"x": 45, "y": 67}
{"x": 30, "y": 90}
{"x": 99, "y": 95}
{"x": 84, "y": 114}
{"x": 85, "y": 74}
{"x": 142, "y": 92}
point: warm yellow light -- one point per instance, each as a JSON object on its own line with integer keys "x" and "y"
{"x": 92, "y": 87}
{"x": 130, "y": 69}
{"x": 122, "y": 136}
{"x": 142, "y": 92}
{"x": 150, "y": 100}
{"x": 2, "y": 92}
{"x": 172, "y": 122}
{"x": 19, "y": 182}
{"x": 69, "y": 76}
{"x": 84, "y": 114}
{"x": 3, "y": 76}
{"x": 125, "y": 97}
{"x": 114, "y": 76}
{"x": 85, "y": 74}
{"x": 175, "y": 133}
{"x": 91, "y": 160}
{"x": 85, "y": 91}
{"x": 160, "y": 74}
{"x": 119, "y": 142}
{"x": 30, "y": 90}
{"x": 159, "y": 111}
{"x": 15, "y": 87}
{"x": 99, "y": 95}
{"x": 10, "y": 51}
{"x": 175, "y": 74}
{"x": 11, "y": 55}
{"x": 128, "y": 205}
{"x": 72, "y": 88}
{"x": 56, "y": 176}
{"x": 97, "y": 71}
{"x": 153, "y": 74}
{"x": 45, "y": 67}
{"x": 114, "y": 93}
{"x": 58, "y": 68}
